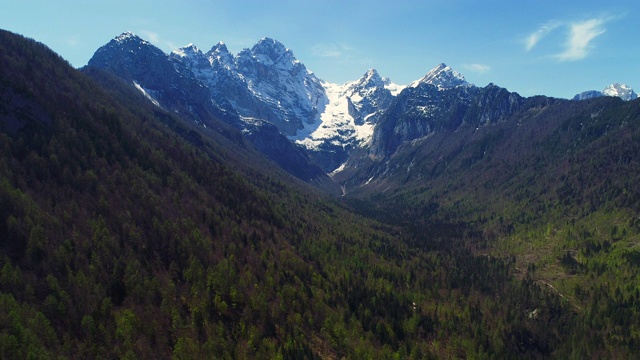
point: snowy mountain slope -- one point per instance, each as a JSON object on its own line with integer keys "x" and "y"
{"x": 266, "y": 86}
{"x": 355, "y": 108}
{"x": 265, "y": 82}
{"x": 268, "y": 83}
{"x": 352, "y": 111}
{"x": 348, "y": 119}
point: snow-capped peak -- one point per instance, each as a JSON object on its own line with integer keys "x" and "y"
{"x": 187, "y": 51}
{"x": 443, "y": 77}
{"x": 219, "y": 47}
{"x": 370, "y": 79}
{"x": 625, "y": 92}
{"x": 129, "y": 36}
{"x": 220, "y": 54}
{"x": 125, "y": 35}
{"x": 270, "y": 51}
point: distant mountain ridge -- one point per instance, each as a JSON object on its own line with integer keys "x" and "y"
{"x": 625, "y": 92}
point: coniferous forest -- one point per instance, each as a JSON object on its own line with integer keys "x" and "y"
{"x": 127, "y": 232}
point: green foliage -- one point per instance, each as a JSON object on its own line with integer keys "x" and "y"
{"x": 124, "y": 237}
{"x": 555, "y": 187}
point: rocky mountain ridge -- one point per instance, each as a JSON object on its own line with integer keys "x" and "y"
{"x": 270, "y": 96}
{"x": 200, "y": 88}
{"x": 265, "y": 82}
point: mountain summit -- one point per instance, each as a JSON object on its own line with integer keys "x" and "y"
{"x": 442, "y": 77}
{"x": 625, "y": 92}
{"x": 291, "y": 95}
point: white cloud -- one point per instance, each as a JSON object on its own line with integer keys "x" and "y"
{"x": 542, "y": 31}
{"x": 326, "y": 50}
{"x": 162, "y": 43}
{"x": 172, "y": 46}
{"x": 477, "y": 68}
{"x": 581, "y": 34}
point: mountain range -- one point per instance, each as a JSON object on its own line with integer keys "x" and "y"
{"x": 267, "y": 86}
{"x": 210, "y": 205}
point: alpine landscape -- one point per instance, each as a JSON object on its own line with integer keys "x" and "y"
{"x": 208, "y": 204}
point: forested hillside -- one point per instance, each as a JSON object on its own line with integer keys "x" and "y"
{"x": 127, "y": 233}
{"x": 555, "y": 186}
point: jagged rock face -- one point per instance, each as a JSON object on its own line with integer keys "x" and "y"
{"x": 192, "y": 57}
{"x": 216, "y": 70}
{"x": 201, "y": 86}
{"x": 265, "y": 82}
{"x": 492, "y": 104}
{"x": 168, "y": 82}
{"x": 440, "y": 100}
{"x": 423, "y": 110}
{"x": 290, "y": 95}
{"x": 368, "y": 98}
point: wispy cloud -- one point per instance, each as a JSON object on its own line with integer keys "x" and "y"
{"x": 477, "y": 68}
{"x": 153, "y": 37}
{"x": 171, "y": 45}
{"x": 326, "y": 50}
{"x": 542, "y": 31}
{"x": 580, "y": 37}
{"x": 158, "y": 40}
{"x": 579, "y": 40}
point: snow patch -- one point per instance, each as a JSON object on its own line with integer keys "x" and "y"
{"x": 338, "y": 169}
{"x": 147, "y": 94}
{"x": 336, "y": 124}
{"x": 443, "y": 77}
{"x": 394, "y": 88}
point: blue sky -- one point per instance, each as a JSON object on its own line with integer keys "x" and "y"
{"x": 555, "y": 48}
